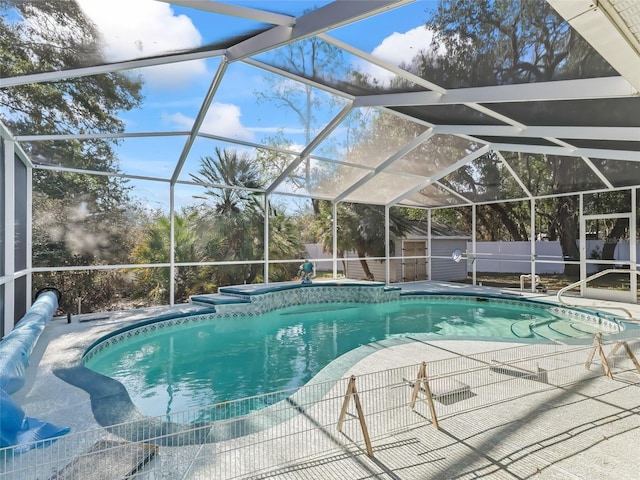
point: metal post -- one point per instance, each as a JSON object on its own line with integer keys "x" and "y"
{"x": 172, "y": 245}
{"x": 387, "y": 249}
{"x": 583, "y": 247}
{"x": 266, "y": 238}
{"x": 428, "y": 252}
{"x": 334, "y": 234}
{"x": 9, "y": 233}
{"x": 533, "y": 245}
{"x": 633, "y": 252}
{"x": 473, "y": 243}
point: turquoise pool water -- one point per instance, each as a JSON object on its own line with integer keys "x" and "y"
{"x": 197, "y": 364}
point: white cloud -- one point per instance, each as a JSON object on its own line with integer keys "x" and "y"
{"x": 140, "y": 28}
{"x": 398, "y": 49}
{"x": 179, "y": 120}
{"x": 222, "y": 119}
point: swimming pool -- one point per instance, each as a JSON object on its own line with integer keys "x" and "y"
{"x": 173, "y": 366}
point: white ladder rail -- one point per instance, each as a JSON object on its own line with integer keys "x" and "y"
{"x": 593, "y": 277}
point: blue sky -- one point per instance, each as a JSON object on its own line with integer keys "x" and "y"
{"x": 174, "y": 93}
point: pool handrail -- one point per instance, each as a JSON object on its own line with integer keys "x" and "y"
{"x": 593, "y": 277}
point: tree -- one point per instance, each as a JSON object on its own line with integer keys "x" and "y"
{"x": 38, "y": 36}
{"x": 55, "y": 35}
{"x": 359, "y": 230}
{"x": 500, "y": 42}
{"x": 231, "y": 223}
{"x": 310, "y": 58}
{"x": 285, "y": 242}
{"x": 612, "y": 229}
{"x": 486, "y": 179}
{"x": 503, "y": 42}
{"x": 156, "y": 248}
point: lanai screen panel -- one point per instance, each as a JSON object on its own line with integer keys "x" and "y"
{"x": 148, "y": 156}
{"x": 164, "y": 98}
{"x": 610, "y": 112}
{"x": 368, "y": 137}
{"x": 449, "y": 115}
{"x": 326, "y": 64}
{"x": 321, "y": 179}
{"x": 553, "y": 174}
{"x": 620, "y": 173}
{"x": 106, "y": 34}
{"x": 415, "y": 25}
{"x": 433, "y": 196}
{"x": 484, "y": 179}
{"x": 384, "y": 188}
{"x": 622, "y": 145}
{"x": 268, "y": 109}
{"x": 404, "y": 25}
{"x": 438, "y": 152}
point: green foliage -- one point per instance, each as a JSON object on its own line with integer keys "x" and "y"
{"x": 155, "y": 248}
{"x": 499, "y": 42}
{"x": 77, "y": 219}
{"x": 228, "y": 168}
{"x": 37, "y": 36}
{"x": 230, "y": 224}
{"x": 483, "y": 42}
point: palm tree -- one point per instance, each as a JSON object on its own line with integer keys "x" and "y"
{"x": 284, "y": 243}
{"x": 228, "y": 168}
{"x": 360, "y": 229}
{"x": 234, "y": 222}
{"x": 156, "y": 248}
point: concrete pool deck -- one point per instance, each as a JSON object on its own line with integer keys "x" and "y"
{"x": 586, "y": 432}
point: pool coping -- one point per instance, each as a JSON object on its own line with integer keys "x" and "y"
{"x": 609, "y": 321}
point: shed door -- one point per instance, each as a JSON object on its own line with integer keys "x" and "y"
{"x": 414, "y": 268}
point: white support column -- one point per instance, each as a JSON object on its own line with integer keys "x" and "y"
{"x": 387, "y": 248}
{"x": 266, "y": 238}
{"x": 633, "y": 252}
{"x": 473, "y": 243}
{"x": 172, "y": 245}
{"x": 9, "y": 233}
{"x": 29, "y": 233}
{"x": 429, "y": 244}
{"x": 334, "y": 235}
{"x": 533, "y": 245}
{"x": 583, "y": 246}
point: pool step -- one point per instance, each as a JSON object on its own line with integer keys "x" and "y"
{"x": 586, "y": 328}
{"x": 521, "y": 329}
{"x": 569, "y": 330}
{"x": 217, "y": 299}
{"x": 545, "y": 330}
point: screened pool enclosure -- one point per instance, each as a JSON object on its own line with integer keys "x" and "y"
{"x": 154, "y": 150}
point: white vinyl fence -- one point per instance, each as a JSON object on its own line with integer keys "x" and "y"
{"x": 515, "y": 257}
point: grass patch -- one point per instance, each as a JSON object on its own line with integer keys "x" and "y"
{"x": 613, "y": 281}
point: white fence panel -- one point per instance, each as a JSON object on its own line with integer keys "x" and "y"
{"x": 515, "y": 257}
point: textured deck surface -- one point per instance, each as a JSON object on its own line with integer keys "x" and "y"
{"x": 108, "y": 460}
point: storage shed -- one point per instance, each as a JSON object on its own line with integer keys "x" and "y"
{"x": 412, "y": 261}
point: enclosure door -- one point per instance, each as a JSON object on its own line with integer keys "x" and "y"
{"x": 599, "y": 252}
{"x": 414, "y": 269}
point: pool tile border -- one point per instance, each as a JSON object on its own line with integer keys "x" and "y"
{"x": 266, "y": 301}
